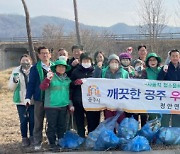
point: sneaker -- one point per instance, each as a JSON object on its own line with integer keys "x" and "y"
{"x": 37, "y": 147}
{"x": 25, "y": 142}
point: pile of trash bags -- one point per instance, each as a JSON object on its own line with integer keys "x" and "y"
{"x": 125, "y": 137}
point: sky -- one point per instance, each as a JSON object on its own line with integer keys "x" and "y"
{"x": 90, "y": 12}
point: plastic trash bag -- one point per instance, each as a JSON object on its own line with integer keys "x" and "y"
{"x": 71, "y": 140}
{"x": 128, "y": 128}
{"x": 139, "y": 143}
{"x": 106, "y": 140}
{"x": 150, "y": 129}
{"x": 169, "y": 135}
{"x": 107, "y": 124}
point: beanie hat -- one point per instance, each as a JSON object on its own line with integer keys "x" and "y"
{"x": 125, "y": 55}
{"x": 113, "y": 56}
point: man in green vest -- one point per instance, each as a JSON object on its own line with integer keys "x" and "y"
{"x": 37, "y": 74}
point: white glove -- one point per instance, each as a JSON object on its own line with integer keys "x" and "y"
{"x": 27, "y": 101}
{"x": 165, "y": 68}
{"x": 50, "y": 75}
{"x": 71, "y": 108}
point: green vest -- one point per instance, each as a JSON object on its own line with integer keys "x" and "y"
{"x": 41, "y": 74}
{"x": 16, "y": 95}
{"x": 57, "y": 95}
{"x": 124, "y": 73}
{"x": 152, "y": 73}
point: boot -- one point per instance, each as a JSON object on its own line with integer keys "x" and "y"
{"x": 31, "y": 139}
{"x": 25, "y": 142}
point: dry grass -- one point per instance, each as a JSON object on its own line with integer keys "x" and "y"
{"x": 10, "y": 137}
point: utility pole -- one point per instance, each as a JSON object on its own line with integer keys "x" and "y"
{"x": 76, "y": 22}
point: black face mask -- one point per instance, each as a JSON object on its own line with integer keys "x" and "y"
{"x": 25, "y": 65}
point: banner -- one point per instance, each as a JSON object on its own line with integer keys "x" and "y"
{"x": 131, "y": 95}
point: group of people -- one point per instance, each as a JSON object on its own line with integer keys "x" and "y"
{"x": 53, "y": 88}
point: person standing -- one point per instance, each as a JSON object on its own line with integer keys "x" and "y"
{"x": 37, "y": 74}
{"x": 63, "y": 55}
{"x": 172, "y": 73}
{"x": 57, "y": 101}
{"x": 77, "y": 50}
{"x": 18, "y": 83}
{"x": 83, "y": 70}
{"x": 142, "y": 53}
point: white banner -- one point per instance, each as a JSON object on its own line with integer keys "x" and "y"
{"x": 131, "y": 95}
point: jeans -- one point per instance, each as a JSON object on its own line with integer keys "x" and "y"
{"x": 56, "y": 123}
{"x": 25, "y": 120}
{"x": 39, "y": 113}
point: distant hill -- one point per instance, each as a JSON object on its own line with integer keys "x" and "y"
{"x": 14, "y": 26}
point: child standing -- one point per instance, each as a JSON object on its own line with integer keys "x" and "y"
{"x": 56, "y": 87}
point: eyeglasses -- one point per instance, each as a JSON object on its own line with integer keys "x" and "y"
{"x": 44, "y": 53}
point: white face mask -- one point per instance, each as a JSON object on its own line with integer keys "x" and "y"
{"x": 114, "y": 66}
{"x": 63, "y": 58}
{"x": 86, "y": 65}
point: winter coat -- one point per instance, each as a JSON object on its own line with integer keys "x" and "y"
{"x": 79, "y": 73}
{"x": 19, "y": 88}
{"x": 173, "y": 74}
{"x": 121, "y": 73}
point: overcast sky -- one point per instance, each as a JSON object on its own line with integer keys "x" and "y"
{"x": 91, "y": 12}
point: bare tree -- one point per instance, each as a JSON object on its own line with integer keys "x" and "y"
{"x": 153, "y": 19}
{"x": 28, "y": 28}
{"x": 76, "y": 22}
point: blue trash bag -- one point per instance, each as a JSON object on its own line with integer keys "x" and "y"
{"x": 137, "y": 144}
{"x": 128, "y": 128}
{"x": 150, "y": 129}
{"x": 169, "y": 135}
{"x": 106, "y": 140}
{"x": 107, "y": 124}
{"x": 71, "y": 140}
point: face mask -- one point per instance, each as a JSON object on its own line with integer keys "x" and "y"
{"x": 25, "y": 65}
{"x": 114, "y": 66}
{"x": 139, "y": 68}
{"x": 63, "y": 58}
{"x": 86, "y": 65}
{"x": 125, "y": 63}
